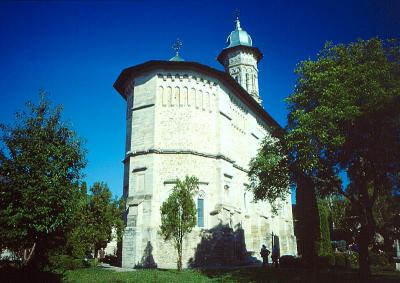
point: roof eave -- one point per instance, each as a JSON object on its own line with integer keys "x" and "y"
{"x": 225, "y": 51}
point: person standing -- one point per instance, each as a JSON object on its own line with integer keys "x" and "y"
{"x": 264, "y": 254}
{"x": 275, "y": 256}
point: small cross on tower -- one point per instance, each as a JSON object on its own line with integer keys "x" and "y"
{"x": 236, "y": 13}
{"x": 177, "y": 46}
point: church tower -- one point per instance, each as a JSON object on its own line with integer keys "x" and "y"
{"x": 240, "y": 60}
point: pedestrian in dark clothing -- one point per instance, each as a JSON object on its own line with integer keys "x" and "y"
{"x": 264, "y": 254}
{"x": 275, "y": 256}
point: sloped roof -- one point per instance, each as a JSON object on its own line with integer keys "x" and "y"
{"x": 128, "y": 74}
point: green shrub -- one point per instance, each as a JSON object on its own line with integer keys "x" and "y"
{"x": 289, "y": 261}
{"x": 340, "y": 260}
{"x": 324, "y": 244}
{"x": 379, "y": 259}
{"x": 65, "y": 262}
{"x": 352, "y": 259}
{"x": 326, "y": 261}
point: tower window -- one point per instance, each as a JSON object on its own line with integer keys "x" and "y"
{"x": 200, "y": 212}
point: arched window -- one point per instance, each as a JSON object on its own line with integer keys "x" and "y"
{"x": 200, "y": 212}
{"x": 248, "y": 82}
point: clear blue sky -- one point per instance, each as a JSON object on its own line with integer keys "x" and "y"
{"x": 76, "y": 49}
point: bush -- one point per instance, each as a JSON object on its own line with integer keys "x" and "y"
{"x": 289, "y": 261}
{"x": 352, "y": 259}
{"x": 64, "y": 262}
{"x": 326, "y": 261}
{"x": 111, "y": 260}
{"x": 340, "y": 260}
{"x": 381, "y": 260}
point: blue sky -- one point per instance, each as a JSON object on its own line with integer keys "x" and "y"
{"x": 75, "y": 50}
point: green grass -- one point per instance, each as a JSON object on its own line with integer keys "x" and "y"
{"x": 92, "y": 275}
{"x": 252, "y": 274}
{"x": 248, "y": 274}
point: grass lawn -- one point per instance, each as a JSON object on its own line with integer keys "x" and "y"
{"x": 250, "y": 274}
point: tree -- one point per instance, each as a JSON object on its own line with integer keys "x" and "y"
{"x": 97, "y": 217}
{"x": 41, "y": 160}
{"x": 344, "y": 117}
{"x": 325, "y": 247}
{"x": 343, "y": 226}
{"x": 269, "y": 172}
{"x": 178, "y": 214}
{"x": 79, "y": 239}
{"x": 272, "y": 172}
{"x": 103, "y": 214}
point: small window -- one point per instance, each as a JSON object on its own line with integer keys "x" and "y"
{"x": 139, "y": 182}
{"x": 200, "y": 212}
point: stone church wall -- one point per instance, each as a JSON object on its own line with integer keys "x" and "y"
{"x": 185, "y": 123}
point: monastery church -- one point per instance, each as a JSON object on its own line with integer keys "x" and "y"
{"x": 185, "y": 118}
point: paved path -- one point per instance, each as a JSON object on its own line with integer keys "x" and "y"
{"x": 121, "y": 269}
{"x": 115, "y": 268}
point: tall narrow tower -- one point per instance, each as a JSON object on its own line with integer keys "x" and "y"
{"x": 240, "y": 60}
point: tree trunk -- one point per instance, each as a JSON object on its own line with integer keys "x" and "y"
{"x": 367, "y": 229}
{"x": 308, "y": 220}
{"x": 363, "y": 257}
{"x": 179, "y": 263}
{"x": 364, "y": 239}
{"x": 27, "y": 256}
{"x": 95, "y": 256}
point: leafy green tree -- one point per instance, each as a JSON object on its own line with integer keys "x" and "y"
{"x": 342, "y": 220}
{"x": 41, "y": 162}
{"x": 94, "y": 221}
{"x": 272, "y": 172}
{"x": 325, "y": 247}
{"x": 178, "y": 214}
{"x": 103, "y": 214}
{"x": 344, "y": 117}
{"x": 269, "y": 172}
{"x": 78, "y": 237}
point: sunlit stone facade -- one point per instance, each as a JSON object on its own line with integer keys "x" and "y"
{"x": 184, "y": 118}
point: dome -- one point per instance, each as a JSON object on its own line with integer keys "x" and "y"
{"x": 239, "y": 37}
{"x": 177, "y": 57}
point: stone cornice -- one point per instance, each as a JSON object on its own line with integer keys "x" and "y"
{"x": 250, "y": 49}
{"x": 225, "y": 115}
{"x": 174, "y": 181}
{"x": 177, "y": 151}
{"x": 143, "y": 106}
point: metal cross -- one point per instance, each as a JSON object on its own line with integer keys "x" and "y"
{"x": 236, "y": 13}
{"x": 177, "y": 45}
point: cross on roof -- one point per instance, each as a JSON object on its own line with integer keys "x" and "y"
{"x": 236, "y": 13}
{"x": 177, "y": 45}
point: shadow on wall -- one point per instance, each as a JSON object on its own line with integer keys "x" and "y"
{"x": 221, "y": 246}
{"x": 147, "y": 258}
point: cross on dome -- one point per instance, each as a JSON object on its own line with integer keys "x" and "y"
{"x": 177, "y": 47}
{"x": 238, "y": 36}
{"x": 237, "y": 15}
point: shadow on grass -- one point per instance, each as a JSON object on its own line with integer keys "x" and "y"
{"x": 14, "y": 274}
{"x": 295, "y": 275}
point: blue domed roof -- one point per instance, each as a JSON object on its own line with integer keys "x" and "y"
{"x": 177, "y": 57}
{"x": 239, "y": 37}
